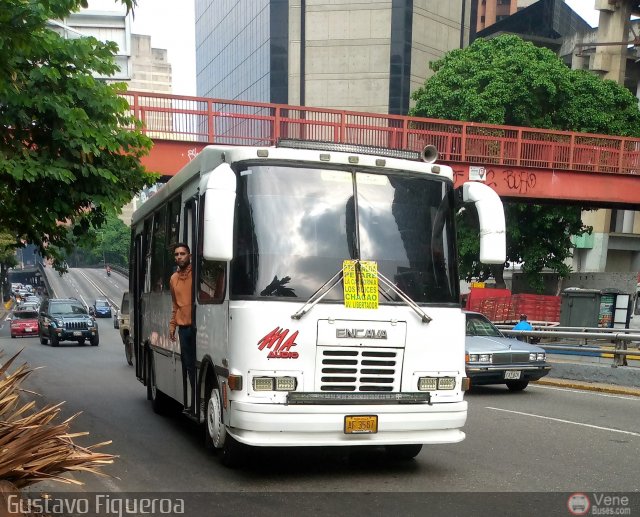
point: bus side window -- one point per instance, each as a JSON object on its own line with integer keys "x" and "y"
{"x": 212, "y": 281}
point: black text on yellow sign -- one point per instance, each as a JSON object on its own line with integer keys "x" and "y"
{"x": 360, "y": 284}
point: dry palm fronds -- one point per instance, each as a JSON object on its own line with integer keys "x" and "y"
{"x": 33, "y": 445}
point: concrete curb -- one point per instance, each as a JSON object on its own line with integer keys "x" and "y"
{"x": 589, "y": 386}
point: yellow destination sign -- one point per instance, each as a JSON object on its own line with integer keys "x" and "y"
{"x": 360, "y": 279}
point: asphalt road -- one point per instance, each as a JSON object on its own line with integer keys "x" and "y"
{"x": 543, "y": 440}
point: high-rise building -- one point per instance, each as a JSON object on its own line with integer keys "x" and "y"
{"x": 487, "y": 12}
{"x": 346, "y": 54}
{"x": 105, "y": 22}
{"x": 150, "y": 68}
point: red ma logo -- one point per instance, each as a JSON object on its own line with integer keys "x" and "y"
{"x": 278, "y": 347}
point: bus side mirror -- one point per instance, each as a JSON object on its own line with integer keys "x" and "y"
{"x": 219, "y": 206}
{"x": 493, "y": 248}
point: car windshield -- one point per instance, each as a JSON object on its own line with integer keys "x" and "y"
{"x": 67, "y": 308}
{"x": 401, "y": 221}
{"x": 478, "y": 325}
{"x": 25, "y": 315}
{"x": 101, "y": 303}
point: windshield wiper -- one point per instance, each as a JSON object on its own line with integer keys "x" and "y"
{"x": 405, "y": 297}
{"x": 325, "y": 288}
{"x": 322, "y": 291}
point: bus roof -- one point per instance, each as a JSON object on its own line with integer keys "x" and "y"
{"x": 211, "y": 156}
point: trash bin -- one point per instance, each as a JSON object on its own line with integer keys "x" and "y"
{"x": 605, "y": 308}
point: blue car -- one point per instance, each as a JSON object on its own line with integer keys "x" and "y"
{"x": 101, "y": 308}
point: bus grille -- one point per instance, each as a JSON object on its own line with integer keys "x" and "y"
{"x": 359, "y": 369}
{"x": 510, "y": 357}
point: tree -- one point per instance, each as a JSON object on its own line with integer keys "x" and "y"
{"x": 70, "y": 149}
{"x": 505, "y": 80}
{"x": 109, "y": 244}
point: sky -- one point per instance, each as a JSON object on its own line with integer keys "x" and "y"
{"x": 171, "y": 25}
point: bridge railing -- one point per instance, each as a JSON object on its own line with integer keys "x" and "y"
{"x": 207, "y": 121}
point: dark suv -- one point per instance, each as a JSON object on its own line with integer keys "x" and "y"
{"x": 66, "y": 319}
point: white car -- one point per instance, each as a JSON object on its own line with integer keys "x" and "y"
{"x": 492, "y": 358}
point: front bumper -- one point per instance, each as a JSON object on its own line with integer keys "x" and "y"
{"x": 496, "y": 374}
{"x": 74, "y": 335}
{"x": 23, "y": 332}
{"x": 318, "y": 425}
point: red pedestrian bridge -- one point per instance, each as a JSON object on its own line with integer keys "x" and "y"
{"x": 517, "y": 162}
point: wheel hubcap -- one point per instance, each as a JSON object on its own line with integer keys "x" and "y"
{"x": 214, "y": 421}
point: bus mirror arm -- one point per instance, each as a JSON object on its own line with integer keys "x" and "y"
{"x": 491, "y": 219}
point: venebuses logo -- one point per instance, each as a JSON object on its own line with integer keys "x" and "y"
{"x": 278, "y": 347}
{"x": 578, "y": 504}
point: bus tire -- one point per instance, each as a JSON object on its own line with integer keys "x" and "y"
{"x": 403, "y": 452}
{"x": 215, "y": 432}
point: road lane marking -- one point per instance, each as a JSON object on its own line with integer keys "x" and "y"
{"x": 584, "y": 392}
{"x": 564, "y": 421}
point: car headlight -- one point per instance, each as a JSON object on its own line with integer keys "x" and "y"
{"x": 542, "y": 356}
{"x": 533, "y": 356}
{"x": 473, "y": 358}
{"x": 484, "y": 358}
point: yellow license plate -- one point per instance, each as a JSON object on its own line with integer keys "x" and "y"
{"x": 360, "y": 424}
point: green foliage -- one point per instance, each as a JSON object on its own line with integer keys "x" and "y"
{"x": 70, "y": 149}
{"x": 505, "y": 80}
{"x": 109, "y": 243}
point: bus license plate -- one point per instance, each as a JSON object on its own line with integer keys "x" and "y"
{"x": 360, "y": 424}
{"x": 512, "y": 374}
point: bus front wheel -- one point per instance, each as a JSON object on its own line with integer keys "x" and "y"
{"x": 215, "y": 431}
{"x": 232, "y": 452}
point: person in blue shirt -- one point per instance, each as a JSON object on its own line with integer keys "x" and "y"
{"x": 523, "y": 324}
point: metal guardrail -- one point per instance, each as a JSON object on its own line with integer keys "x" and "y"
{"x": 619, "y": 337}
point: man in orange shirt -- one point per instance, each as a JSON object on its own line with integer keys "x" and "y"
{"x": 181, "y": 284}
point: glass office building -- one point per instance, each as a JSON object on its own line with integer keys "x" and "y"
{"x": 241, "y": 49}
{"x": 343, "y": 54}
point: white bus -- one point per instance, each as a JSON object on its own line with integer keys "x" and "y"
{"x": 326, "y": 296}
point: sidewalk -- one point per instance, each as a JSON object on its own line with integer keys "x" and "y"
{"x": 593, "y": 374}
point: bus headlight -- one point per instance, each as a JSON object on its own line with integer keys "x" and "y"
{"x": 436, "y": 383}
{"x": 446, "y": 383}
{"x": 274, "y": 383}
{"x": 427, "y": 384}
{"x": 286, "y": 384}
{"x": 263, "y": 383}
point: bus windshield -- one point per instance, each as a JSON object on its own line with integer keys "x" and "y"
{"x": 295, "y": 225}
